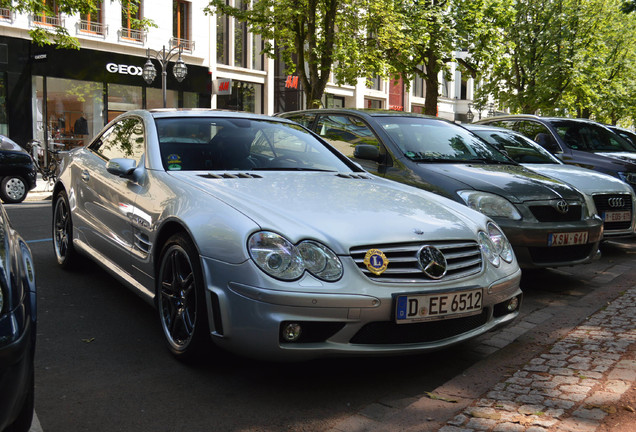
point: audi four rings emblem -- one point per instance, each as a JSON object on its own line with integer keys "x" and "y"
{"x": 616, "y": 202}
{"x": 432, "y": 262}
{"x": 562, "y": 207}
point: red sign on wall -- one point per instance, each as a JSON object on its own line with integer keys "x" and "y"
{"x": 291, "y": 82}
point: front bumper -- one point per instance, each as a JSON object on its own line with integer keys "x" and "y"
{"x": 529, "y": 240}
{"x": 247, "y": 319}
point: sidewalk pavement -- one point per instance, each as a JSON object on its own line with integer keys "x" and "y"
{"x": 41, "y": 191}
{"x": 549, "y": 371}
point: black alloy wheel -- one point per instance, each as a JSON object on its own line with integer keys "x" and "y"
{"x": 63, "y": 232}
{"x": 181, "y": 301}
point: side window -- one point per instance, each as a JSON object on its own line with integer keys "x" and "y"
{"x": 539, "y": 134}
{"x": 125, "y": 139}
{"x": 508, "y": 124}
{"x": 306, "y": 120}
{"x": 345, "y": 133}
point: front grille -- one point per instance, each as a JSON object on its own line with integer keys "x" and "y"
{"x": 548, "y": 213}
{"x": 387, "y": 332}
{"x": 614, "y": 202}
{"x": 560, "y": 254}
{"x": 463, "y": 259}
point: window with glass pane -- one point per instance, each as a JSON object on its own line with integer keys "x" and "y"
{"x": 50, "y": 14}
{"x": 240, "y": 38}
{"x": 92, "y": 22}
{"x": 122, "y": 98}
{"x": 257, "y": 49}
{"x": 154, "y": 98}
{"x": 222, "y": 47}
{"x": 130, "y": 15}
{"x": 125, "y": 139}
{"x": 181, "y": 20}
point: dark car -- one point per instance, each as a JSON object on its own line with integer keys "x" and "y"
{"x": 17, "y": 171}
{"x": 576, "y": 142}
{"x": 17, "y": 329}
{"x": 625, "y": 133}
{"x": 546, "y": 221}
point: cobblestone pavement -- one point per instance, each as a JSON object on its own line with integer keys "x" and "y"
{"x": 571, "y": 387}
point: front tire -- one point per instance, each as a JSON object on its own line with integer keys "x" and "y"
{"x": 63, "y": 232}
{"x": 13, "y": 189}
{"x": 181, "y": 300}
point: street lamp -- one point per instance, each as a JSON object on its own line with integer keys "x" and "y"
{"x": 469, "y": 115}
{"x": 179, "y": 70}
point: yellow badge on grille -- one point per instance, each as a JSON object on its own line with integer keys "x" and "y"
{"x": 376, "y": 261}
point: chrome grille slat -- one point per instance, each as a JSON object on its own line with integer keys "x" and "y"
{"x": 463, "y": 259}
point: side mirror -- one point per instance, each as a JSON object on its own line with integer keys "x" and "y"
{"x": 367, "y": 152}
{"x": 121, "y": 167}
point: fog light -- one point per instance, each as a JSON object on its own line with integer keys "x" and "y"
{"x": 513, "y": 304}
{"x": 291, "y": 332}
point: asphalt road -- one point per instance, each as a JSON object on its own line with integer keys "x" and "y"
{"x": 101, "y": 363}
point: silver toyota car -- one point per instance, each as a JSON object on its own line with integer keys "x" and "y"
{"x": 251, "y": 232}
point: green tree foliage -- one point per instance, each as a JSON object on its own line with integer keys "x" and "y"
{"x": 59, "y": 35}
{"x": 567, "y": 57}
{"x": 314, "y": 38}
{"x": 433, "y": 31}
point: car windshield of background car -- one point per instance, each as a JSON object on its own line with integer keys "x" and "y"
{"x": 428, "y": 140}
{"x": 518, "y": 148}
{"x": 208, "y": 143}
{"x": 590, "y": 137}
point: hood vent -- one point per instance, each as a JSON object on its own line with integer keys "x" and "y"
{"x": 230, "y": 176}
{"x": 354, "y": 176}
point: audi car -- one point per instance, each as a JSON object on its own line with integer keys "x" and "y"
{"x": 611, "y": 199}
{"x": 546, "y": 220}
{"x": 252, "y": 233}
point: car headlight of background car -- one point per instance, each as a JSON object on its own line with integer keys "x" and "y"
{"x": 279, "y": 258}
{"x": 495, "y": 245}
{"x": 490, "y": 204}
{"x": 628, "y": 177}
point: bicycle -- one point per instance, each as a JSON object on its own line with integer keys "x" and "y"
{"x": 36, "y": 150}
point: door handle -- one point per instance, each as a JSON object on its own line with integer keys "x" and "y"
{"x": 85, "y": 176}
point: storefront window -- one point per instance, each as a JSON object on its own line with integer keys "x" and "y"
{"x": 154, "y": 98}
{"x": 122, "y": 98}
{"x": 190, "y": 100}
{"x": 4, "y": 120}
{"x": 245, "y": 97}
{"x": 73, "y": 111}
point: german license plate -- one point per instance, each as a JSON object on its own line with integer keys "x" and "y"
{"x": 617, "y": 216}
{"x": 567, "y": 239}
{"x": 431, "y": 307}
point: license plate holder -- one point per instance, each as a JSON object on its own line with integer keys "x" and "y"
{"x": 567, "y": 239}
{"x": 434, "y": 307}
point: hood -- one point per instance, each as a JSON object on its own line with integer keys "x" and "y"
{"x": 341, "y": 210}
{"x": 514, "y": 182}
{"x": 585, "y": 180}
{"x": 621, "y": 156}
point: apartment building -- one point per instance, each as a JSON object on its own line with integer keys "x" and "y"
{"x": 66, "y": 96}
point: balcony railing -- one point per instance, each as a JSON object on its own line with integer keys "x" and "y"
{"x": 186, "y": 44}
{"x": 132, "y": 34}
{"x": 48, "y": 20}
{"x": 93, "y": 27}
{"x": 5, "y": 13}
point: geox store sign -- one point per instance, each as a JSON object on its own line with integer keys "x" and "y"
{"x": 124, "y": 69}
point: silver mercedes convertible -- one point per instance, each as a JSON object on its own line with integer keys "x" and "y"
{"x": 252, "y": 234}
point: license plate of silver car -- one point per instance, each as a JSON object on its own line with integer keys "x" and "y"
{"x": 432, "y": 307}
{"x": 567, "y": 239}
{"x": 617, "y": 216}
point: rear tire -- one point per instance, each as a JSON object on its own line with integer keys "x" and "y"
{"x": 181, "y": 300}
{"x": 63, "y": 232}
{"x": 13, "y": 189}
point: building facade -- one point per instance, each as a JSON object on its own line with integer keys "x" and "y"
{"x": 65, "y": 96}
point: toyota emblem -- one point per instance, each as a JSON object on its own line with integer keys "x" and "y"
{"x": 432, "y": 262}
{"x": 616, "y": 202}
{"x": 562, "y": 207}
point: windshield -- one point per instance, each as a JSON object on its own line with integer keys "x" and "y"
{"x": 230, "y": 144}
{"x": 590, "y": 137}
{"x": 431, "y": 140}
{"x": 517, "y": 147}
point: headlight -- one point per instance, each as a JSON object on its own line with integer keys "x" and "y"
{"x": 490, "y": 204}
{"x": 278, "y": 257}
{"x": 628, "y": 177}
{"x": 495, "y": 245}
